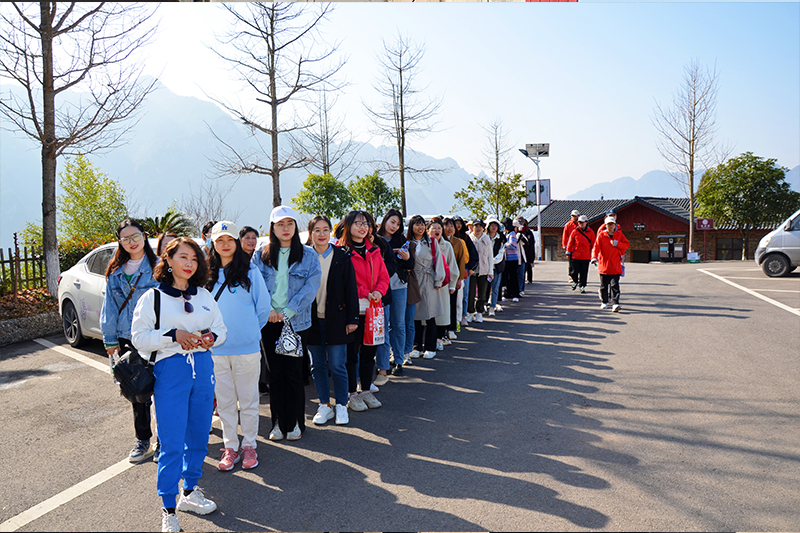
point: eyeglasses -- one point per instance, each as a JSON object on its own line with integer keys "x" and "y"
{"x": 188, "y": 307}
{"x": 136, "y": 237}
{"x": 322, "y": 231}
{"x": 361, "y": 224}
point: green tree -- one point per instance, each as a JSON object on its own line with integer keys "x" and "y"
{"x": 92, "y": 204}
{"x": 323, "y": 195}
{"x": 173, "y": 220}
{"x": 372, "y": 194}
{"x": 482, "y": 195}
{"x": 749, "y": 192}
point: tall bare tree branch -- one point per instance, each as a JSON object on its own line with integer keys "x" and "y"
{"x": 496, "y": 154}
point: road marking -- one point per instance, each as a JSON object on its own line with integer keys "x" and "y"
{"x": 759, "y": 279}
{"x": 752, "y": 292}
{"x": 75, "y": 355}
{"x": 37, "y": 511}
{"x": 777, "y": 290}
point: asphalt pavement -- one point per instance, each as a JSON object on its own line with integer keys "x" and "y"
{"x": 680, "y": 413}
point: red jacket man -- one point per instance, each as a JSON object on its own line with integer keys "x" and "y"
{"x": 581, "y": 241}
{"x": 609, "y": 247}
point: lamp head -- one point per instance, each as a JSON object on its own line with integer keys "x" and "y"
{"x": 524, "y": 152}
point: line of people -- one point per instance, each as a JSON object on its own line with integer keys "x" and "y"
{"x": 211, "y": 315}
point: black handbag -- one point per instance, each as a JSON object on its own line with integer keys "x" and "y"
{"x": 133, "y": 374}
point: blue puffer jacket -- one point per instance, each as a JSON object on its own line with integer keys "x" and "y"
{"x": 116, "y": 325}
{"x": 304, "y": 280}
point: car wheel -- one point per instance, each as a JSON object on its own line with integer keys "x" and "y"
{"x": 72, "y": 325}
{"x": 775, "y": 265}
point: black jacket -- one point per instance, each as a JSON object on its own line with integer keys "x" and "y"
{"x": 403, "y": 265}
{"x": 390, "y": 260}
{"x": 341, "y": 305}
{"x": 472, "y": 263}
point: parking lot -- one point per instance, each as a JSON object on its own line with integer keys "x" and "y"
{"x": 679, "y": 413}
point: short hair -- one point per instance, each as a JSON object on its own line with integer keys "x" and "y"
{"x": 162, "y": 271}
{"x": 416, "y": 219}
{"x": 207, "y": 227}
{"x": 247, "y": 229}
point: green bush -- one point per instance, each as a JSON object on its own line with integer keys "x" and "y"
{"x": 71, "y": 251}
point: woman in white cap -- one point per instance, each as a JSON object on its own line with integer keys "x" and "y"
{"x": 579, "y": 247}
{"x": 245, "y": 304}
{"x": 609, "y": 247}
{"x": 569, "y": 227}
{"x": 292, "y": 274}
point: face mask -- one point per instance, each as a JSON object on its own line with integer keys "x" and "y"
{"x": 208, "y": 243}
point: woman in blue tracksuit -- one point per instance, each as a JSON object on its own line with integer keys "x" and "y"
{"x": 292, "y": 274}
{"x": 128, "y": 276}
{"x": 184, "y": 371}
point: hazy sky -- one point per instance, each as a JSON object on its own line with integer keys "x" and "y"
{"x": 584, "y": 77}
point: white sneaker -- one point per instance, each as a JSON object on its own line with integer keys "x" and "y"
{"x": 429, "y": 355}
{"x": 373, "y": 388}
{"x": 370, "y": 401}
{"x": 381, "y": 380}
{"x": 498, "y": 308}
{"x": 439, "y": 346}
{"x": 414, "y": 354}
{"x": 451, "y": 335}
{"x": 616, "y": 308}
{"x": 169, "y": 522}
{"x": 464, "y": 321}
{"x": 514, "y": 299}
{"x": 324, "y": 413}
{"x": 491, "y": 311}
{"x": 294, "y": 434}
{"x": 603, "y": 306}
{"x": 446, "y": 342}
{"x": 356, "y": 403}
{"x": 469, "y": 317}
{"x": 342, "y": 417}
{"x": 478, "y": 317}
{"x": 522, "y": 293}
{"x": 195, "y": 502}
{"x": 407, "y": 359}
{"x": 276, "y": 433}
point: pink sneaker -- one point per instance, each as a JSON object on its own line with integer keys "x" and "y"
{"x": 250, "y": 458}
{"x": 229, "y": 458}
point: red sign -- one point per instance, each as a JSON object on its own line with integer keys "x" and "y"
{"x": 704, "y": 223}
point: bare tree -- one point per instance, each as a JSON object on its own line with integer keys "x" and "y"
{"x": 207, "y": 204}
{"x": 332, "y": 148}
{"x": 496, "y": 156}
{"x": 688, "y": 130}
{"x": 276, "y": 50}
{"x": 403, "y": 114}
{"x": 52, "y": 47}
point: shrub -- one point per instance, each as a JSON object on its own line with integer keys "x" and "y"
{"x": 71, "y": 251}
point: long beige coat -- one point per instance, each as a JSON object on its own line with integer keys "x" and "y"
{"x": 431, "y": 305}
{"x": 444, "y": 292}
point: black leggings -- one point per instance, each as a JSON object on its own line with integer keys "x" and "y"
{"x": 287, "y": 397}
{"x": 581, "y": 270}
{"x": 361, "y": 356}
{"x": 141, "y": 411}
{"x": 425, "y": 336}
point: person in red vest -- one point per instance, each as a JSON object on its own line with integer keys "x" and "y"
{"x": 579, "y": 248}
{"x": 569, "y": 227}
{"x": 609, "y": 247}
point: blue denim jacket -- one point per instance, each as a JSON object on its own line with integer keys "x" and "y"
{"x": 304, "y": 280}
{"x": 114, "y": 324}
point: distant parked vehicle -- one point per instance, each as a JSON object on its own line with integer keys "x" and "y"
{"x": 778, "y": 252}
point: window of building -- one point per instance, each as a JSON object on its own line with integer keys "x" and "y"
{"x": 729, "y": 249}
{"x": 551, "y": 245}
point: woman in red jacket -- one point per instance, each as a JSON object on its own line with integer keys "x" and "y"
{"x": 579, "y": 247}
{"x": 372, "y": 279}
{"x": 609, "y": 247}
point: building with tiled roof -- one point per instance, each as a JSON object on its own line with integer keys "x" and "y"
{"x": 650, "y": 224}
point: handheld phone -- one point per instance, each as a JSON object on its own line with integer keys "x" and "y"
{"x": 207, "y": 335}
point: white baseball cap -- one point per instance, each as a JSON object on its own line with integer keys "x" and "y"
{"x": 583, "y": 218}
{"x": 224, "y": 227}
{"x": 281, "y": 212}
{"x": 575, "y": 213}
{"x": 609, "y": 219}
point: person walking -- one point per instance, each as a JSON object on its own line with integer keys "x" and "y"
{"x": 569, "y": 227}
{"x": 372, "y": 280}
{"x": 180, "y": 321}
{"x": 579, "y": 247}
{"x": 128, "y": 276}
{"x": 478, "y": 286}
{"x": 498, "y": 263}
{"x": 245, "y": 304}
{"x": 609, "y": 247}
{"x": 334, "y": 319}
{"x": 429, "y": 271}
{"x": 292, "y": 275}
{"x": 391, "y": 229}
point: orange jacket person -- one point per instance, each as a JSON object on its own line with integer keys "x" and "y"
{"x": 569, "y": 227}
{"x": 609, "y": 247}
{"x": 579, "y": 247}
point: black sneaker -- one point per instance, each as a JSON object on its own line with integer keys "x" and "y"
{"x": 157, "y": 451}
{"x": 141, "y": 451}
{"x": 398, "y": 370}
{"x": 263, "y": 388}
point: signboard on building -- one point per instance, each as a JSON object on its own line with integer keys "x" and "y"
{"x": 544, "y": 192}
{"x": 704, "y": 224}
{"x": 638, "y": 226}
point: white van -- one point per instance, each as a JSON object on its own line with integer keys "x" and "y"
{"x": 778, "y": 252}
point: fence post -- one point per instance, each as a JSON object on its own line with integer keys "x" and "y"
{"x": 15, "y": 268}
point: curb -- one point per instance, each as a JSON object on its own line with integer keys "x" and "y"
{"x": 29, "y": 328}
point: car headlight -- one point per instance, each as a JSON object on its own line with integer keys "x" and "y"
{"x": 764, "y": 242}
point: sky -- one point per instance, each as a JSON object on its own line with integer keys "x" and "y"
{"x": 584, "y": 77}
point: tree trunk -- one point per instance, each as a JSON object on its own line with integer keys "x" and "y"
{"x": 49, "y": 239}
{"x": 276, "y": 172}
{"x": 690, "y": 246}
{"x": 401, "y": 158}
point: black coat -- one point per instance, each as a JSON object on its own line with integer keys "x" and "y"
{"x": 390, "y": 260}
{"x": 341, "y": 305}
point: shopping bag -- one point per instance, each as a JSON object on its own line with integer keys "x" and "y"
{"x": 374, "y": 334}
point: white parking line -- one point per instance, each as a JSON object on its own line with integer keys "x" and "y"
{"x": 75, "y": 355}
{"x": 751, "y": 292}
{"x": 777, "y": 290}
{"x": 50, "y": 504}
{"x": 757, "y": 279}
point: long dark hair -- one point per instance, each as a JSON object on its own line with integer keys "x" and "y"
{"x": 416, "y": 219}
{"x": 347, "y": 223}
{"x": 391, "y": 213}
{"x": 269, "y": 254}
{"x": 312, "y": 223}
{"x": 162, "y": 271}
{"x": 122, "y": 256}
{"x": 236, "y": 272}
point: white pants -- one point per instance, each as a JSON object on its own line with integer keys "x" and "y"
{"x": 460, "y": 302}
{"x": 237, "y": 382}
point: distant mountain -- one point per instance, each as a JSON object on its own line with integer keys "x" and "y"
{"x": 653, "y": 183}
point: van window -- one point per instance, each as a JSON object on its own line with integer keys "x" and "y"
{"x": 795, "y": 224}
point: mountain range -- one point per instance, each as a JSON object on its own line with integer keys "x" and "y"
{"x": 168, "y": 158}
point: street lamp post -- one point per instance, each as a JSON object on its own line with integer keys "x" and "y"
{"x": 533, "y": 152}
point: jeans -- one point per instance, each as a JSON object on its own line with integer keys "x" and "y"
{"x": 409, "y": 344}
{"x": 324, "y": 356}
{"x": 521, "y": 276}
{"x": 382, "y": 352}
{"x": 467, "y": 283}
{"x": 496, "y": 281}
{"x": 396, "y": 324}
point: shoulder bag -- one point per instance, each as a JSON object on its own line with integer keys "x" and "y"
{"x": 133, "y": 374}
